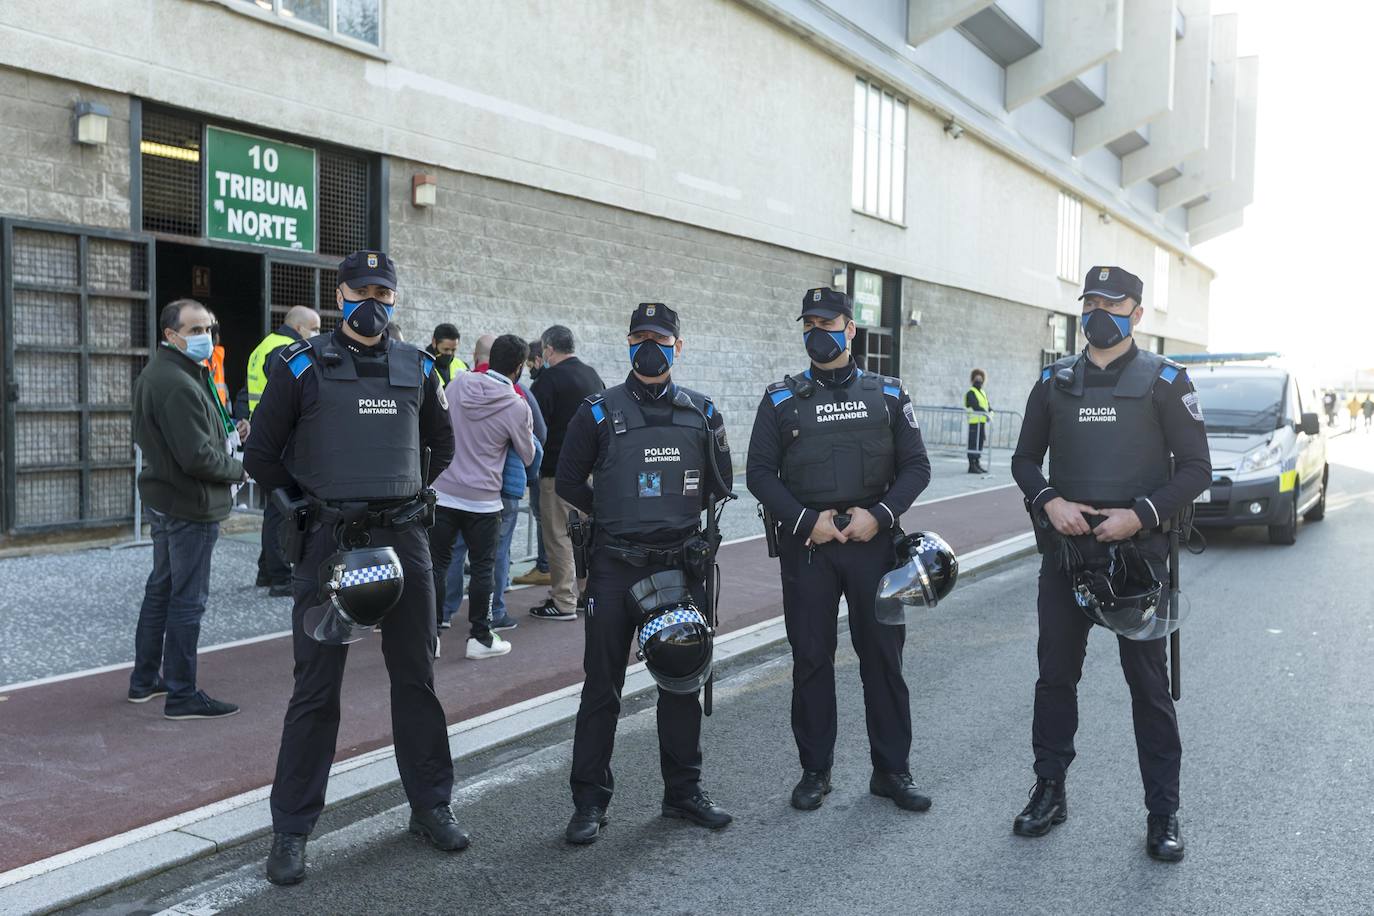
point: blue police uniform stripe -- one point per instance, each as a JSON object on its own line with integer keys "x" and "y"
{"x": 298, "y": 364}
{"x": 598, "y": 413}
{"x": 1045, "y": 374}
{"x": 1168, "y": 373}
{"x": 892, "y": 391}
{"x": 710, "y": 410}
{"x": 777, "y": 397}
{"x": 426, "y": 365}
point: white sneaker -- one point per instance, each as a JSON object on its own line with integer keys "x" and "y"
{"x": 498, "y": 647}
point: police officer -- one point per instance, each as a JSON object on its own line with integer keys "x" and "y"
{"x": 836, "y": 458}
{"x": 345, "y": 420}
{"x": 1110, "y": 418}
{"x": 302, "y": 323}
{"x": 645, "y": 444}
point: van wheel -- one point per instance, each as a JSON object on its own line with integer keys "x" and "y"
{"x": 1318, "y": 512}
{"x": 1286, "y": 533}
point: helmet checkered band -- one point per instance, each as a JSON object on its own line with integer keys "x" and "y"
{"x": 678, "y": 615}
{"x": 369, "y": 574}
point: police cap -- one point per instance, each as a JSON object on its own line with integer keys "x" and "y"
{"x": 364, "y": 268}
{"x": 1112, "y": 283}
{"x": 656, "y": 317}
{"x": 827, "y": 303}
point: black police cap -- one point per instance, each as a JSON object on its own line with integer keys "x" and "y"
{"x": 827, "y": 303}
{"x": 656, "y": 317}
{"x": 1112, "y": 283}
{"x": 363, "y": 268}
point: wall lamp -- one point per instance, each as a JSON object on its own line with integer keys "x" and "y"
{"x": 424, "y": 190}
{"x": 90, "y": 123}
{"x": 839, "y": 278}
{"x": 954, "y": 129}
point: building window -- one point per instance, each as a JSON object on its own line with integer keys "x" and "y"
{"x": 1063, "y": 338}
{"x": 1160, "y": 296}
{"x": 879, "y": 153}
{"x": 1070, "y": 237}
{"x": 359, "y": 20}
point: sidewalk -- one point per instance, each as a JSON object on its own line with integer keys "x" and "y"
{"x": 75, "y": 744}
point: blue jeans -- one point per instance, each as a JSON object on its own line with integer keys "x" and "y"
{"x": 510, "y": 514}
{"x": 541, "y": 561}
{"x": 453, "y": 585}
{"x": 173, "y": 603}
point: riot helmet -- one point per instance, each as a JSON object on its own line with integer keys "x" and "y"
{"x": 357, "y": 589}
{"x": 675, "y": 640}
{"x": 926, "y": 571}
{"x": 1120, "y": 591}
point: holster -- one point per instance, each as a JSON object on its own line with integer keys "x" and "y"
{"x": 580, "y": 533}
{"x": 297, "y": 514}
{"x": 770, "y": 530}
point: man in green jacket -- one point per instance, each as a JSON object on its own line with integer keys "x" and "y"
{"x": 187, "y": 485}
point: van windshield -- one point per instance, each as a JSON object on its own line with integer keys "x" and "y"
{"x": 1239, "y": 403}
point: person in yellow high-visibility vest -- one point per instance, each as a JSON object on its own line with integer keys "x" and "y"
{"x": 302, "y": 323}
{"x": 976, "y": 406}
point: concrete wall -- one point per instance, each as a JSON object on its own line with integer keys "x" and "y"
{"x": 44, "y": 175}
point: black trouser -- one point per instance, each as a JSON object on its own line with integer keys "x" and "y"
{"x": 311, "y": 727}
{"x": 812, "y": 583}
{"x": 481, "y": 531}
{"x": 612, "y": 618}
{"x": 271, "y": 562}
{"x": 1063, "y": 643}
{"x": 977, "y": 441}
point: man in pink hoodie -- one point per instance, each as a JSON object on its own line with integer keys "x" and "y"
{"x": 488, "y": 418}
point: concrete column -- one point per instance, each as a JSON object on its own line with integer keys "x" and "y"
{"x": 1183, "y": 131}
{"x": 1140, "y": 80}
{"x": 1079, "y": 35}
{"x": 1215, "y": 166}
{"x": 927, "y": 18}
{"x": 1234, "y": 196}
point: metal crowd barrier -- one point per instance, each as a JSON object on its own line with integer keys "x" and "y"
{"x": 945, "y": 429}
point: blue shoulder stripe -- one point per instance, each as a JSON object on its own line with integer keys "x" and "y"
{"x": 298, "y": 364}
{"x": 426, "y": 364}
{"x": 1045, "y": 373}
{"x": 710, "y": 410}
{"x": 1169, "y": 373}
{"x": 892, "y": 391}
{"x": 777, "y": 397}
{"x": 598, "y": 412}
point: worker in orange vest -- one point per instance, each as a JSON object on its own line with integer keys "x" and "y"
{"x": 216, "y": 364}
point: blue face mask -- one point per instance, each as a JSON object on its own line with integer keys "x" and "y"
{"x": 199, "y": 346}
{"x": 650, "y": 358}
{"x": 1104, "y": 330}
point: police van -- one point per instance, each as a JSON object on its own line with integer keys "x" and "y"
{"x": 1268, "y": 449}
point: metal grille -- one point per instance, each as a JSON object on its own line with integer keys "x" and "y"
{"x": 171, "y": 173}
{"x": 294, "y": 284}
{"x": 343, "y": 202}
{"x": 80, "y": 307}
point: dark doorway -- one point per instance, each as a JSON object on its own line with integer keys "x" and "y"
{"x": 229, "y": 283}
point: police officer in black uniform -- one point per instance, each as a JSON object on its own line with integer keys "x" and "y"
{"x": 344, "y": 422}
{"x": 645, "y": 444}
{"x": 835, "y": 459}
{"x": 1110, "y": 417}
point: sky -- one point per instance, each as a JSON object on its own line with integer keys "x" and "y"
{"x": 1293, "y": 277}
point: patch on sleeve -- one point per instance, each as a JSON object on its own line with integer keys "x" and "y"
{"x": 1190, "y": 401}
{"x": 722, "y": 442}
{"x": 909, "y": 412}
{"x": 443, "y": 398}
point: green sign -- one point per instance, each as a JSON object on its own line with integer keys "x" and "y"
{"x": 259, "y": 191}
{"x": 868, "y": 299}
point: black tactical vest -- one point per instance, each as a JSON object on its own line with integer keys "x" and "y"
{"x": 653, "y": 475}
{"x": 360, "y": 439}
{"x": 1106, "y": 444}
{"x": 843, "y": 453}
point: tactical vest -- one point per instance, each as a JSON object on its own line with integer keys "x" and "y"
{"x": 1106, "y": 444}
{"x": 653, "y": 475}
{"x": 843, "y": 453}
{"x": 360, "y": 438}
{"x": 257, "y": 370}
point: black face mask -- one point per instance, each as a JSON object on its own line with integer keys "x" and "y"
{"x": 651, "y": 359}
{"x": 978, "y": 383}
{"x": 1105, "y": 330}
{"x": 443, "y": 361}
{"x": 824, "y": 346}
{"x": 367, "y": 316}
{"x": 534, "y": 373}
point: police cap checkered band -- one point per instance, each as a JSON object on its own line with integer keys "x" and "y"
{"x": 369, "y": 574}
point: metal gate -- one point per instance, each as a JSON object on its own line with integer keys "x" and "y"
{"x": 301, "y": 282}
{"x": 78, "y": 320}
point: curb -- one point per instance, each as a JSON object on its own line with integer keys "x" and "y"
{"x": 106, "y": 865}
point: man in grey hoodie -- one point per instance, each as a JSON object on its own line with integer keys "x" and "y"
{"x": 488, "y": 418}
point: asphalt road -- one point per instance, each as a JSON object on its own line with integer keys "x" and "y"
{"x": 1278, "y": 797}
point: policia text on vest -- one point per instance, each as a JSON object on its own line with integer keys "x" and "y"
{"x": 835, "y": 459}
{"x": 360, "y": 470}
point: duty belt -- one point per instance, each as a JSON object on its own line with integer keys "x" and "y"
{"x": 357, "y": 514}
{"x": 638, "y": 555}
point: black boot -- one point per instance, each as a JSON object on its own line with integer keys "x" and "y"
{"x": 1163, "y": 838}
{"x": 811, "y": 790}
{"x": 899, "y": 788}
{"x": 1048, "y": 805}
{"x": 973, "y": 466}
{"x": 438, "y": 826}
{"x": 286, "y": 861}
{"x": 586, "y": 825}
{"x": 699, "y": 809}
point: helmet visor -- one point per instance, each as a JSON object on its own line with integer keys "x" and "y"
{"x": 901, "y": 590}
{"x": 329, "y": 624}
